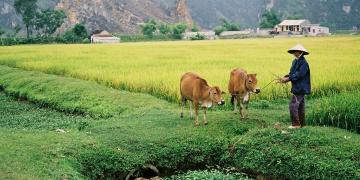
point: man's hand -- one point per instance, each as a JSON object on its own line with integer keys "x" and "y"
{"x": 284, "y": 80}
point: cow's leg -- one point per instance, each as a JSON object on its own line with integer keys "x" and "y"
{"x": 235, "y": 104}
{"x": 246, "y": 104}
{"x": 242, "y": 114}
{"x": 205, "y": 120}
{"x": 196, "y": 107}
{"x": 191, "y": 110}
{"x": 183, "y": 101}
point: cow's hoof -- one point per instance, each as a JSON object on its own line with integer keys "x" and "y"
{"x": 235, "y": 112}
{"x": 181, "y": 116}
{"x": 205, "y": 123}
{"x": 196, "y": 124}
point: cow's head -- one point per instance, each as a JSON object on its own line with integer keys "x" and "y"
{"x": 251, "y": 84}
{"x": 215, "y": 95}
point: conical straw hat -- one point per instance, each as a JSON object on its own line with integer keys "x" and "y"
{"x": 298, "y": 47}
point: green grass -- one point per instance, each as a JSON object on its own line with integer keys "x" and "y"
{"x": 111, "y": 146}
{"x": 156, "y": 67}
{"x": 341, "y": 110}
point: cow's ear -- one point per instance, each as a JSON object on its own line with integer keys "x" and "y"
{"x": 222, "y": 92}
{"x": 255, "y": 74}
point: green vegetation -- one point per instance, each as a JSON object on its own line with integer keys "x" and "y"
{"x": 148, "y": 28}
{"x": 213, "y": 175}
{"x": 143, "y": 38}
{"x": 341, "y": 110}
{"x": 48, "y": 21}
{"x": 150, "y": 131}
{"x": 312, "y": 152}
{"x": 77, "y": 34}
{"x": 226, "y": 26}
{"x": 86, "y": 99}
{"x": 27, "y": 9}
{"x": 176, "y": 30}
{"x": 269, "y": 19}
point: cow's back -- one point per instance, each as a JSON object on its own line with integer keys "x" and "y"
{"x": 237, "y": 81}
{"x": 189, "y": 83}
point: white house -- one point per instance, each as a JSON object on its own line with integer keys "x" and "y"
{"x": 301, "y": 27}
{"x": 317, "y": 30}
{"x": 104, "y": 37}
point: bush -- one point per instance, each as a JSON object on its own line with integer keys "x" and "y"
{"x": 77, "y": 34}
{"x": 341, "y": 110}
{"x": 142, "y": 38}
{"x": 148, "y": 28}
{"x": 198, "y": 37}
{"x": 212, "y": 174}
{"x": 308, "y": 153}
{"x": 218, "y": 30}
{"x": 178, "y": 30}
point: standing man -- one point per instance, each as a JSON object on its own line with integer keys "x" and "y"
{"x": 299, "y": 77}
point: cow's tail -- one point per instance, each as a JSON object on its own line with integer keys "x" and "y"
{"x": 232, "y": 99}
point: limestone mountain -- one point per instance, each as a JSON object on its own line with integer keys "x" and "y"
{"x": 124, "y": 16}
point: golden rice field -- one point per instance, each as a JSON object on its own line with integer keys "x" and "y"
{"x": 156, "y": 67}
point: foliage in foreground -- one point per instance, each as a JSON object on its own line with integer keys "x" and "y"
{"x": 70, "y": 95}
{"x": 121, "y": 144}
{"x": 341, "y": 110}
{"x": 208, "y": 174}
{"x": 308, "y": 153}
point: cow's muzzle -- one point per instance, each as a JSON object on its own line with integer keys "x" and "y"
{"x": 222, "y": 102}
{"x": 257, "y": 90}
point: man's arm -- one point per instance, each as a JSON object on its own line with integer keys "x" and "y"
{"x": 300, "y": 73}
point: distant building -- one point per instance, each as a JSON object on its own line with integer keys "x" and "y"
{"x": 209, "y": 35}
{"x": 301, "y": 27}
{"x": 104, "y": 37}
{"x": 235, "y": 34}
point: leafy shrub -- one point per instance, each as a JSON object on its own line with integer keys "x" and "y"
{"x": 148, "y": 28}
{"x": 142, "y": 38}
{"x": 106, "y": 163}
{"x": 198, "y": 37}
{"x": 308, "y": 153}
{"x": 77, "y": 34}
{"x": 341, "y": 110}
{"x": 178, "y": 30}
{"x": 212, "y": 174}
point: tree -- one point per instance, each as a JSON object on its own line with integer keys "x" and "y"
{"x": 178, "y": 30}
{"x": 226, "y": 26}
{"x": 78, "y": 33}
{"x": 148, "y": 28}
{"x": 218, "y": 30}
{"x": 49, "y": 20}
{"x": 269, "y": 19}
{"x": 17, "y": 29}
{"x": 27, "y": 9}
{"x": 230, "y": 26}
{"x": 2, "y": 31}
{"x": 164, "y": 28}
{"x": 195, "y": 28}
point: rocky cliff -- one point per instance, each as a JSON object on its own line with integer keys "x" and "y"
{"x": 123, "y": 16}
{"x": 120, "y": 15}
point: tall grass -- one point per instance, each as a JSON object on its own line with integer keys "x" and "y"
{"x": 341, "y": 111}
{"x": 156, "y": 67}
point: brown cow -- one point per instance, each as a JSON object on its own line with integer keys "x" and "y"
{"x": 196, "y": 89}
{"x": 241, "y": 85}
